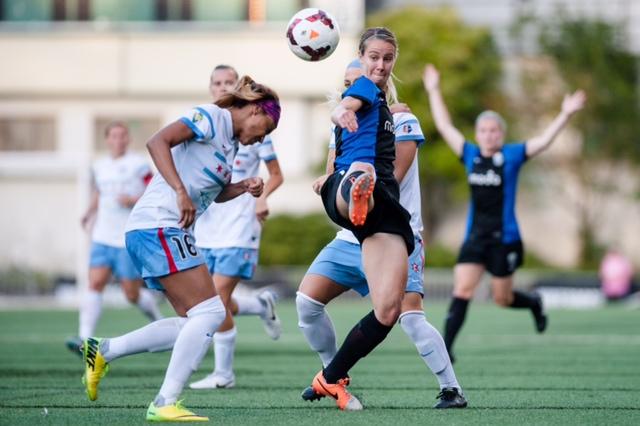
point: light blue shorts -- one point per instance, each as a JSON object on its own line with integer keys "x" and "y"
{"x": 341, "y": 261}
{"x": 115, "y": 258}
{"x": 232, "y": 261}
{"x": 160, "y": 252}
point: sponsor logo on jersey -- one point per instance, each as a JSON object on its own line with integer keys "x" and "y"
{"x": 388, "y": 126}
{"x": 490, "y": 178}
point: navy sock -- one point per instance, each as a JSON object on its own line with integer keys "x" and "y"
{"x": 523, "y": 300}
{"x": 360, "y": 341}
{"x": 455, "y": 319}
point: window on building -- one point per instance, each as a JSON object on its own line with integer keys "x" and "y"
{"x": 283, "y": 10}
{"x": 21, "y": 10}
{"x": 140, "y": 130}
{"x": 123, "y": 10}
{"x": 27, "y": 134}
{"x": 150, "y": 10}
{"x": 219, "y": 10}
{"x": 173, "y": 10}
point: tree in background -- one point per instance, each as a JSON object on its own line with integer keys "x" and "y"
{"x": 594, "y": 55}
{"x": 472, "y": 72}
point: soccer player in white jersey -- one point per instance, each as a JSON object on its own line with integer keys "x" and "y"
{"x": 338, "y": 268}
{"x": 118, "y": 180}
{"x": 228, "y": 236}
{"x": 194, "y": 156}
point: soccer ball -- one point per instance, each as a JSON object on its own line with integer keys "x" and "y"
{"x": 313, "y": 34}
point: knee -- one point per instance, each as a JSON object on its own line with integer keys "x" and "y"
{"x": 388, "y": 315}
{"x": 461, "y": 292}
{"x": 502, "y": 299}
{"x": 308, "y": 309}
{"x": 96, "y": 286}
{"x": 132, "y": 295}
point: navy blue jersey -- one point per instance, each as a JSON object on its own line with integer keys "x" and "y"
{"x": 493, "y": 182}
{"x": 374, "y": 141}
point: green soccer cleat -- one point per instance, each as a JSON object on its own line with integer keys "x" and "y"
{"x": 95, "y": 367}
{"x": 173, "y": 413}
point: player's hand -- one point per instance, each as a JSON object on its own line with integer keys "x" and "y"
{"x": 319, "y": 183}
{"x": 399, "y": 107}
{"x": 186, "y": 208}
{"x": 254, "y": 186}
{"x": 347, "y": 120}
{"x": 431, "y": 78}
{"x": 574, "y": 102}
{"x": 262, "y": 210}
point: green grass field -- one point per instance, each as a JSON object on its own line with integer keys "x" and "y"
{"x": 585, "y": 370}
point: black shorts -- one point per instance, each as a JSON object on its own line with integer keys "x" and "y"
{"x": 387, "y": 216}
{"x": 500, "y": 259}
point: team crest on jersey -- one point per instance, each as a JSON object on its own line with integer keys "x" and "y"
{"x": 197, "y": 116}
{"x": 407, "y": 128}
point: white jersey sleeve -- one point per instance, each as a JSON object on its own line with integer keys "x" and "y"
{"x": 266, "y": 151}
{"x": 201, "y": 124}
{"x": 407, "y": 128}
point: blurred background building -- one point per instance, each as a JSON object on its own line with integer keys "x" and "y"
{"x": 71, "y": 66}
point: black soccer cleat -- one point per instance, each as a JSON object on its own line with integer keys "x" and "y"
{"x": 450, "y": 398}
{"x": 310, "y": 395}
{"x": 539, "y": 315}
{"x": 74, "y": 344}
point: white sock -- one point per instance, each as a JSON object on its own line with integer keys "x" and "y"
{"x": 157, "y": 336}
{"x": 317, "y": 327}
{"x": 90, "y": 312}
{"x": 430, "y": 346}
{"x": 249, "y": 305}
{"x": 190, "y": 347}
{"x": 148, "y": 305}
{"x": 224, "y": 346}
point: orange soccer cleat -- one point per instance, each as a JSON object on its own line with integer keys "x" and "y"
{"x": 337, "y": 391}
{"x": 360, "y": 201}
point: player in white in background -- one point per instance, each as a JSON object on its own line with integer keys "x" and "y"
{"x": 338, "y": 267}
{"x": 194, "y": 156}
{"x": 228, "y": 236}
{"x": 118, "y": 180}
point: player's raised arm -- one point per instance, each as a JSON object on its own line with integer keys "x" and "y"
{"x": 344, "y": 115}
{"x": 570, "y": 105}
{"x": 451, "y": 135}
